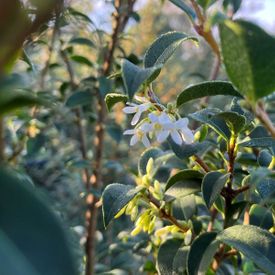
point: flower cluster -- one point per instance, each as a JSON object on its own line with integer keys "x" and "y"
{"x": 158, "y": 124}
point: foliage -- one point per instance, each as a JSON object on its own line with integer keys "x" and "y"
{"x": 198, "y": 200}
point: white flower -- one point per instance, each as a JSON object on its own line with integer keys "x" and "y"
{"x": 164, "y": 126}
{"x": 138, "y": 109}
{"x": 140, "y": 134}
{"x": 186, "y": 134}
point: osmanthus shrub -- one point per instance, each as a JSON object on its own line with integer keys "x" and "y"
{"x": 215, "y": 211}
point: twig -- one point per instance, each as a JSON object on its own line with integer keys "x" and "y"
{"x": 202, "y": 164}
{"x": 262, "y": 115}
{"x": 167, "y": 216}
{"x": 120, "y": 21}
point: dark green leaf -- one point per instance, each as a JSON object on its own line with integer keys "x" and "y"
{"x": 153, "y": 153}
{"x": 81, "y": 60}
{"x": 134, "y": 77}
{"x": 115, "y": 197}
{"x": 201, "y": 253}
{"x": 184, "y": 183}
{"x": 185, "y": 151}
{"x": 260, "y": 216}
{"x": 208, "y": 88}
{"x": 181, "y": 4}
{"x": 254, "y": 242}
{"x": 212, "y": 185}
{"x": 185, "y": 207}
{"x": 163, "y": 47}
{"x": 31, "y": 235}
{"x": 105, "y": 85}
{"x": 180, "y": 259}
{"x": 211, "y": 118}
{"x": 234, "y": 121}
{"x": 112, "y": 98}
{"x": 264, "y": 158}
{"x": 249, "y": 61}
{"x": 166, "y": 255}
{"x": 259, "y": 142}
{"x": 79, "y": 99}
{"x": 82, "y": 41}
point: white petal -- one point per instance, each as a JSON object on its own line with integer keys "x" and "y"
{"x": 168, "y": 126}
{"x": 153, "y": 117}
{"x": 187, "y": 135}
{"x": 182, "y": 123}
{"x": 129, "y": 110}
{"x": 134, "y": 140}
{"x": 136, "y": 118}
{"x": 164, "y": 118}
{"x": 146, "y": 127}
{"x": 144, "y": 107}
{"x": 141, "y": 98}
{"x": 145, "y": 141}
{"x": 176, "y": 137}
{"x": 162, "y": 136}
{"x": 129, "y": 132}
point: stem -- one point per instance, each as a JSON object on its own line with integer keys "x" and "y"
{"x": 262, "y": 115}
{"x": 167, "y": 216}
{"x": 121, "y": 18}
{"x": 202, "y": 164}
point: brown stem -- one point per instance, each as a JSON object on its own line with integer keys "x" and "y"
{"x": 121, "y": 17}
{"x": 214, "y": 213}
{"x": 167, "y": 216}
{"x": 202, "y": 164}
{"x": 262, "y": 115}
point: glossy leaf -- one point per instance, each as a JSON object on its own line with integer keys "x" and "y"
{"x": 114, "y": 198}
{"x": 184, "y": 7}
{"x": 201, "y": 253}
{"x": 82, "y": 41}
{"x": 184, "y": 183}
{"x": 212, "y": 185}
{"x": 260, "y": 216}
{"x": 254, "y": 242}
{"x": 166, "y": 256}
{"x": 186, "y": 207}
{"x": 81, "y": 60}
{"x": 134, "y": 77}
{"x": 163, "y": 47}
{"x": 208, "y": 88}
{"x": 79, "y": 99}
{"x": 259, "y": 142}
{"x": 264, "y": 158}
{"x": 249, "y": 61}
{"x": 113, "y": 98}
{"x": 234, "y": 121}
{"x": 153, "y": 153}
{"x": 31, "y": 235}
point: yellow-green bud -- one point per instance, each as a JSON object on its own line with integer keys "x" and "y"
{"x": 150, "y": 167}
{"x": 136, "y": 231}
{"x": 121, "y": 212}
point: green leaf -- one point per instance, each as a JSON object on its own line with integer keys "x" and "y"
{"x": 201, "y": 253}
{"x": 82, "y": 41}
{"x": 234, "y": 121}
{"x": 115, "y": 197}
{"x": 81, "y": 60}
{"x": 184, "y": 7}
{"x": 166, "y": 255}
{"x": 249, "y": 61}
{"x": 260, "y": 216}
{"x": 163, "y": 48}
{"x": 183, "y": 175}
{"x": 31, "y": 235}
{"x": 153, "y": 153}
{"x": 211, "y": 118}
{"x": 180, "y": 259}
{"x": 113, "y": 98}
{"x": 134, "y": 77}
{"x": 185, "y": 151}
{"x": 185, "y": 207}
{"x": 105, "y": 85}
{"x": 184, "y": 183}
{"x": 212, "y": 185}
{"x": 208, "y": 88}
{"x": 205, "y": 3}
{"x": 79, "y": 99}
{"x": 259, "y": 142}
{"x": 264, "y": 158}
{"x": 254, "y": 242}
